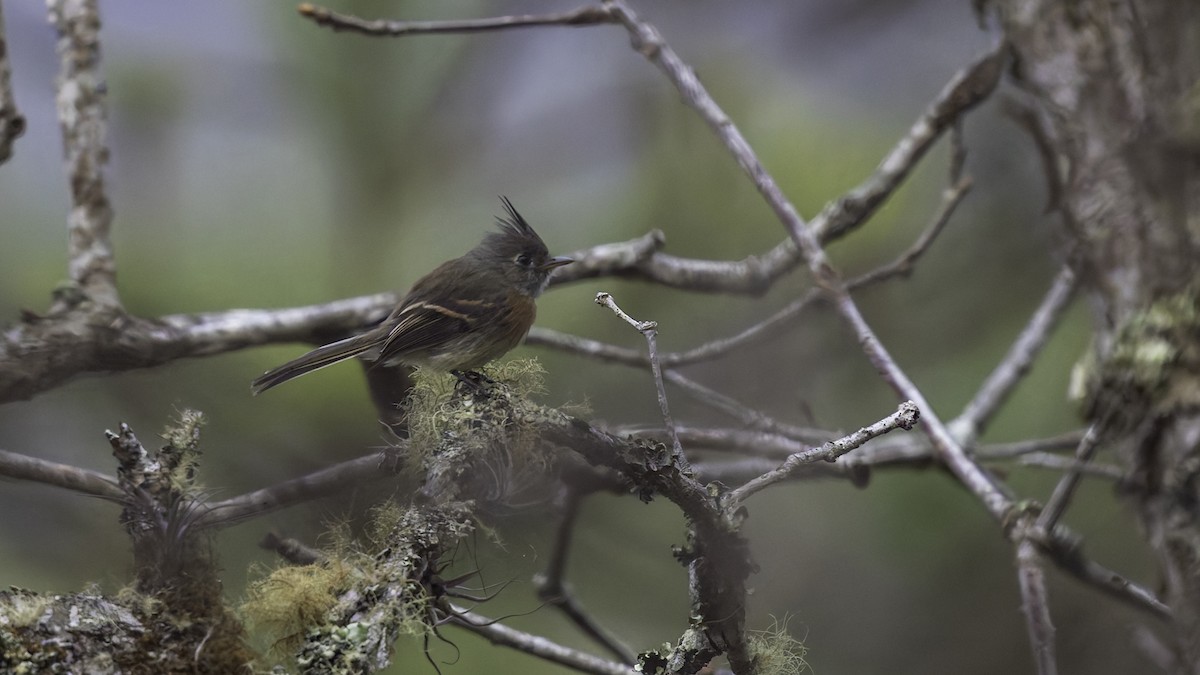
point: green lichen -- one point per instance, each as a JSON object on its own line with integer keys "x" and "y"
{"x": 776, "y": 652}
{"x": 1152, "y": 366}
{"x": 479, "y": 442}
{"x": 181, "y": 455}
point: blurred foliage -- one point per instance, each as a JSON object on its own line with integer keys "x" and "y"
{"x": 260, "y": 161}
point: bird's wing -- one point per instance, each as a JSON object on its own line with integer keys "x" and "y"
{"x": 422, "y": 325}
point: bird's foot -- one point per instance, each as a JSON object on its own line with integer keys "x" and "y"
{"x": 472, "y": 380}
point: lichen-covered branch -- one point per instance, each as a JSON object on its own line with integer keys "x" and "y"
{"x": 82, "y": 115}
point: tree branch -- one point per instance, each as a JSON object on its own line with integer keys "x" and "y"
{"x": 534, "y": 645}
{"x": 317, "y": 484}
{"x": 1035, "y": 603}
{"x": 12, "y": 123}
{"x": 553, "y": 590}
{"x": 904, "y": 418}
{"x": 584, "y": 16}
{"x": 76, "y": 479}
{"x": 1019, "y": 359}
{"x": 82, "y": 115}
{"x": 649, "y": 330}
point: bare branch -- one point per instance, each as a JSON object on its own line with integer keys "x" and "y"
{"x": 581, "y": 346}
{"x": 85, "y": 481}
{"x": 965, "y": 90}
{"x": 1017, "y": 362}
{"x": 553, "y": 590}
{"x": 772, "y": 325}
{"x": 730, "y": 406}
{"x": 905, "y": 417}
{"x": 584, "y": 16}
{"x": 1065, "y": 553}
{"x": 1062, "y": 442}
{"x": 534, "y": 645}
{"x": 1035, "y": 603}
{"x": 1061, "y": 497}
{"x": 649, "y": 330}
{"x": 12, "y": 123}
{"x": 82, "y": 115}
{"x": 316, "y": 484}
{"x": 903, "y": 265}
{"x": 1042, "y": 460}
{"x": 42, "y": 353}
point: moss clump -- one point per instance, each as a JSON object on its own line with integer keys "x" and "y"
{"x": 776, "y": 652}
{"x": 289, "y": 601}
{"x": 479, "y": 441}
{"x": 1152, "y": 366}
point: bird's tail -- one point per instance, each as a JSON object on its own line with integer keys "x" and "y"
{"x": 314, "y": 360}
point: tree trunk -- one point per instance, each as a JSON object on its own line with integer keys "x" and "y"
{"x": 1114, "y": 92}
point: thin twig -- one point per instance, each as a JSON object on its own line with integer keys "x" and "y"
{"x": 768, "y": 327}
{"x": 965, "y": 90}
{"x": 586, "y": 347}
{"x": 1061, "y": 497}
{"x": 1059, "y": 443}
{"x": 905, "y": 417}
{"x": 316, "y": 484}
{"x": 584, "y": 16}
{"x": 1017, "y": 362}
{"x": 12, "y": 123}
{"x": 82, "y": 115}
{"x": 534, "y": 645}
{"x": 745, "y": 414}
{"x": 649, "y": 330}
{"x": 903, "y": 265}
{"x": 85, "y": 481}
{"x": 1118, "y": 586}
{"x": 553, "y": 590}
{"x": 1043, "y": 460}
{"x": 1065, "y": 549}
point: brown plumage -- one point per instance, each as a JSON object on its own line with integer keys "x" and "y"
{"x": 468, "y": 311}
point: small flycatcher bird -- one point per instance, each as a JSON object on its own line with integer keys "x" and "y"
{"x": 467, "y": 312}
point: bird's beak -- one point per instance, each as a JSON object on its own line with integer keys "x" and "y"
{"x": 556, "y": 262}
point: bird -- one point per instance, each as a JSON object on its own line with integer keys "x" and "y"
{"x": 466, "y": 312}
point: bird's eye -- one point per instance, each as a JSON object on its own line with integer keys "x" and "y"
{"x": 523, "y": 259}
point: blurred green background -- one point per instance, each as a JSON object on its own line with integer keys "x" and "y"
{"x": 259, "y": 161}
